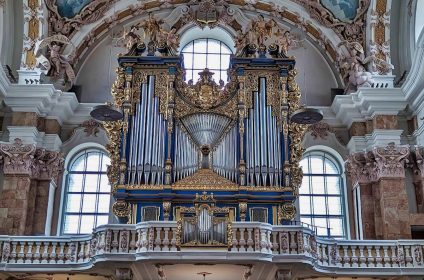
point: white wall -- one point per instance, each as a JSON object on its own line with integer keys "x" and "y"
{"x": 419, "y": 19}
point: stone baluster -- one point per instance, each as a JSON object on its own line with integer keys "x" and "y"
{"x": 151, "y": 239}
{"x": 80, "y": 255}
{"x": 37, "y": 254}
{"x": 158, "y": 241}
{"x": 386, "y": 257}
{"x": 114, "y": 244}
{"x": 370, "y": 257}
{"x": 275, "y": 242}
{"x": 29, "y": 255}
{"x": 174, "y": 239}
{"x": 284, "y": 242}
{"x": 378, "y": 258}
{"x": 394, "y": 259}
{"x": 408, "y": 256}
{"x": 166, "y": 239}
{"x": 256, "y": 237}
{"x": 124, "y": 242}
{"x": 362, "y": 258}
{"x": 13, "y": 253}
{"x": 242, "y": 242}
{"x": 264, "y": 242}
{"x": 142, "y": 243}
{"x": 293, "y": 244}
{"x": 249, "y": 240}
{"x": 354, "y": 259}
{"x": 417, "y": 255}
{"x": 21, "y": 253}
{"x": 61, "y": 256}
{"x": 71, "y": 252}
{"x": 53, "y": 254}
{"x": 325, "y": 254}
{"x": 45, "y": 254}
{"x": 234, "y": 241}
{"x": 268, "y": 238}
{"x": 346, "y": 258}
{"x": 133, "y": 245}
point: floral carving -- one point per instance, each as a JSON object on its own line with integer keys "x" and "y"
{"x": 390, "y": 160}
{"x": 91, "y": 127}
{"x": 320, "y": 130}
{"x": 20, "y": 159}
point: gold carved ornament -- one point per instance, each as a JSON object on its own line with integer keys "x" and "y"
{"x": 113, "y": 131}
{"x": 121, "y": 209}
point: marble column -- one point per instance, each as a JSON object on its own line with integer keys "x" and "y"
{"x": 24, "y": 199}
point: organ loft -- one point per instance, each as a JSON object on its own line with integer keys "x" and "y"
{"x": 211, "y": 139}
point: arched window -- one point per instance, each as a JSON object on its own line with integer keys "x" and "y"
{"x": 87, "y": 192}
{"x": 321, "y": 196}
{"x": 206, "y": 53}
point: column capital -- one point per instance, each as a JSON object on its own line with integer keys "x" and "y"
{"x": 390, "y": 160}
{"x": 26, "y": 159}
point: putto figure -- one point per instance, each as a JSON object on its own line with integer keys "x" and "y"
{"x": 54, "y": 63}
{"x": 151, "y": 28}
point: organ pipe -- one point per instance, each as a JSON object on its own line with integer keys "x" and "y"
{"x": 146, "y": 155}
{"x": 186, "y": 155}
{"x": 225, "y": 156}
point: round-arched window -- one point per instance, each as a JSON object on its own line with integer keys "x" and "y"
{"x": 206, "y": 53}
{"x": 321, "y": 196}
{"x": 87, "y": 192}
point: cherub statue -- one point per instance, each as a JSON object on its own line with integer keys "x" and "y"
{"x": 262, "y": 30}
{"x": 131, "y": 38}
{"x": 171, "y": 38}
{"x": 355, "y": 66}
{"x": 52, "y": 61}
{"x": 151, "y": 28}
{"x": 286, "y": 41}
{"x": 241, "y": 42}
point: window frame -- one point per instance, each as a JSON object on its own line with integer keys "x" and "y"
{"x": 72, "y": 156}
{"x": 207, "y": 53}
{"x": 333, "y": 157}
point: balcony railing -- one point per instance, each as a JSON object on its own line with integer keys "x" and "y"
{"x": 247, "y": 241}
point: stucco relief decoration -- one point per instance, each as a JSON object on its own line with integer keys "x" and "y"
{"x": 151, "y": 34}
{"x": 2, "y": 3}
{"x": 356, "y": 168}
{"x": 17, "y": 158}
{"x": 54, "y": 55}
{"x": 91, "y": 127}
{"x": 33, "y": 15}
{"x": 320, "y": 130}
{"x": 67, "y": 16}
{"x": 207, "y": 13}
{"x": 390, "y": 160}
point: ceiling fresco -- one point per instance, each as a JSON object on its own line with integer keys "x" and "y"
{"x": 343, "y": 10}
{"x": 71, "y": 8}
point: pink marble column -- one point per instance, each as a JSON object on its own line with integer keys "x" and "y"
{"x": 24, "y": 197}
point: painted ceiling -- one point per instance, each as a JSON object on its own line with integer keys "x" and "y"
{"x": 343, "y": 10}
{"x": 71, "y": 8}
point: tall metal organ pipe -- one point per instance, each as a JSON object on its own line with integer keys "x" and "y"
{"x": 186, "y": 155}
{"x": 147, "y": 134}
{"x": 263, "y": 153}
{"x": 225, "y": 157}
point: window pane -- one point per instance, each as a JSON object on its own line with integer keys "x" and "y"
{"x": 305, "y": 204}
{"x": 73, "y": 203}
{"x": 305, "y": 166}
{"x": 330, "y": 167}
{"x": 102, "y": 220}
{"x": 316, "y": 165}
{"x": 334, "y": 206}
{"x": 306, "y": 220}
{"x": 71, "y": 224}
{"x": 188, "y": 60}
{"x": 89, "y": 203}
{"x": 199, "y": 61}
{"x": 87, "y": 224}
{"x": 200, "y": 46}
{"x": 93, "y": 161}
{"x": 188, "y": 47}
{"x": 75, "y": 182}
{"x": 196, "y": 75}
{"x": 91, "y": 181}
{"x": 105, "y": 163}
{"x": 333, "y": 185}
{"x": 304, "y": 188}
{"x": 214, "y": 46}
{"x": 224, "y": 76}
{"x": 103, "y": 205}
{"x": 319, "y": 205}
{"x": 79, "y": 163}
{"x": 225, "y": 49}
{"x": 225, "y": 62}
{"x": 336, "y": 226}
{"x": 214, "y": 62}
{"x": 317, "y": 185}
{"x": 104, "y": 184}
{"x": 321, "y": 224}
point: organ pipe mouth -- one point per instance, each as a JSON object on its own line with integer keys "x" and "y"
{"x": 306, "y": 116}
{"x": 106, "y": 113}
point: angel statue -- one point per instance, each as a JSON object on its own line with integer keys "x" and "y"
{"x": 287, "y": 41}
{"x": 355, "y": 66}
{"x": 151, "y": 28}
{"x": 241, "y": 42}
{"x": 171, "y": 38}
{"x": 53, "y": 62}
{"x": 260, "y": 31}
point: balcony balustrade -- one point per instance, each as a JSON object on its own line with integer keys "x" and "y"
{"x": 247, "y": 241}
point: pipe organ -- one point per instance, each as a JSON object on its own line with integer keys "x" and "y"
{"x": 178, "y": 139}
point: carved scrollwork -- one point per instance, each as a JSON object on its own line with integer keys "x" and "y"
{"x": 121, "y": 209}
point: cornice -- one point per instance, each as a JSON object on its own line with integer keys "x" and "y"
{"x": 367, "y": 103}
